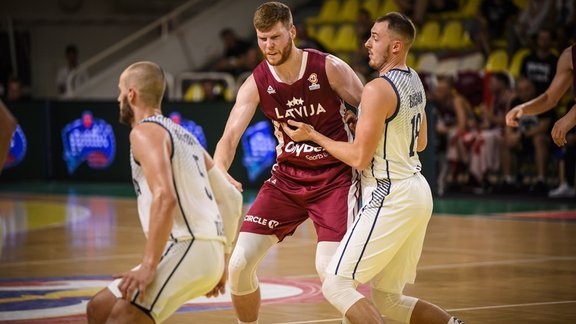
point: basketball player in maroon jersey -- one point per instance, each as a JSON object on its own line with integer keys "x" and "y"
{"x": 301, "y": 85}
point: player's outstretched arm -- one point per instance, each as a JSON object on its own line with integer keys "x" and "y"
{"x": 549, "y": 99}
{"x": 378, "y": 103}
{"x": 151, "y": 147}
{"x": 246, "y": 102}
{"x": 7, "y": 128}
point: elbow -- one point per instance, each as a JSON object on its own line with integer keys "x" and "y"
{"x": 361, "y": 163}
{"x": 166, "y": 199}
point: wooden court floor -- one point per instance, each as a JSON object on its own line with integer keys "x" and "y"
{"x": 485, "y": 261}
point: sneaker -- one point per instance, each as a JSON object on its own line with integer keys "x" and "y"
{"x": 563, "y": 191}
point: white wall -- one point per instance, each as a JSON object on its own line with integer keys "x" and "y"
{"x": 96, "y": 25}
{"x": 200, "y": 36}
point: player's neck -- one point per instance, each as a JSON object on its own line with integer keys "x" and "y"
{"x": 393, "y": 64}
{"x": 289, "y": 71}
{"x": 142, "y": 114}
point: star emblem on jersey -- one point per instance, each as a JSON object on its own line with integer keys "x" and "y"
{"x": 295, "y": 102}
{"x": 270, "y": 90}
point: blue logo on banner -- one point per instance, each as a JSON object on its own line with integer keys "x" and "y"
{"x": 88, "y": 139}
{"x": 259, "y": 149}
{"x": 190, "y": 126}
{"x": 17, "y": 148}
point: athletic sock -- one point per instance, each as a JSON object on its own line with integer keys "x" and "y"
{"x": 240, "y": 322}
{"x": 454, "y": 320}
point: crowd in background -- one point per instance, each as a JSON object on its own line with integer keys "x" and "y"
{"x": 475, "y": 150}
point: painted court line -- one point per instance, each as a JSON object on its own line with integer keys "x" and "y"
{"x": 338, "y": 320}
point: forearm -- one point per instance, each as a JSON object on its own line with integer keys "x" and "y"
{"x": 224, "y": 154}
{"x": 161, "y": 220}
{"x": 343, "y": 151}
{"x": 538, "y": 105}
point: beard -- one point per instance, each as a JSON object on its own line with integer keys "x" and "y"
{"x": 384, "y": 59}
{"x": 126, "y": 112}
{"x": 284, "y": 55}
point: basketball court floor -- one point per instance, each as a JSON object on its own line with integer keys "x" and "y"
{"x": 486, "y": 260}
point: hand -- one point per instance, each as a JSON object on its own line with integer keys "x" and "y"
{"x": 220, "y": 287}
{"x": 135, "y": 281}
{"x": 513, "y": 116}
{"x": 350, "y": 119}
{"x": 303, "y": 132}
{"x": 560, "y": 129}
{"x": 233, "y": 181}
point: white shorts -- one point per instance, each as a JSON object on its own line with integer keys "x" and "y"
{"x": 188, "y": 269}
{"x": 384, "y": 244}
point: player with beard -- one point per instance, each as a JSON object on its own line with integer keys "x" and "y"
{"x": 187, "y": 208}
{"x": 306, "y": 182}
{"x": 384, "y": 244}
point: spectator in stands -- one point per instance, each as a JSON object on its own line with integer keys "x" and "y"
{"x": 530, "y": 141}
{"x": 13, "y": 89}
{"x": 304, "y": 40}
{"x": 484, "y": 141}
{"x": 494, "y": 20}
{"x": 418, "y": 8}
{"x": 530, "y": 21}
{"x": 564, "y": 79}
{"x": 452, "y": 115}
{"x": 360, "y": 57}
{"x": 540, "y": 66}
{"x": 70, "y": 66}
{"x": 564, "y": 18}
{"x": 234, "y": 55}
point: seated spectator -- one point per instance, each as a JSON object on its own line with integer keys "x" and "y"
{"x": 452, "y": 112}
{"x": 13, "y": 89}
{"x": 484, "y": 140}
{"x": 494, "y": 20}
{"x": 70, "y": 66}
{"x": 531, "y": 20}
{"x": 304, "y": 40}
{"x": 418, "y": 8}
{"x": 540, "y": 65}
{"x": 529, "y": 142}
{"x": 360, "y": 57}
{"x": 567, "y": 188}
{"x": 233, "y": 57}
{"x": 564, "y": 18}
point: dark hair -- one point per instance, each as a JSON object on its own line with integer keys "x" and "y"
{"x": 71, "y": 49}
{"x": 227, "y": 32}
{"x": 270, "y": 13}
{"x": 503, "y": 77}
{"x": 401, "y": 24}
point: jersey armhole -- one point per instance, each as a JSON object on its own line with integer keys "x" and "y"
{"x": 389, "y": 119}
{"x": 169, "y": 134}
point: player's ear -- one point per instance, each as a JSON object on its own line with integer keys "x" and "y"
{"x": 131, "y": 95}
{"x": 292, "y": 31}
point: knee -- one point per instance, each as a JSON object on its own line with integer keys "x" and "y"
{"x": 340, "y": 292}
{"x": 92, "y": 310}
{"x": 393, "y": 305}
{"x": 96, "y": 310}
{"x": 242, "y": 273}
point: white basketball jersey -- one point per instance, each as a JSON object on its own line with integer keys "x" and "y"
{"x": 396, "y": 156}
{"x": 197, "y": 214}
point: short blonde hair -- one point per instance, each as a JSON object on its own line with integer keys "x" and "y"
{"x": 148, "y": 80}
{"x": 270, "y": 13}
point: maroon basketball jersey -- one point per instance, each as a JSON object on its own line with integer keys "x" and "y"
{"x": 310, "y": 100}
